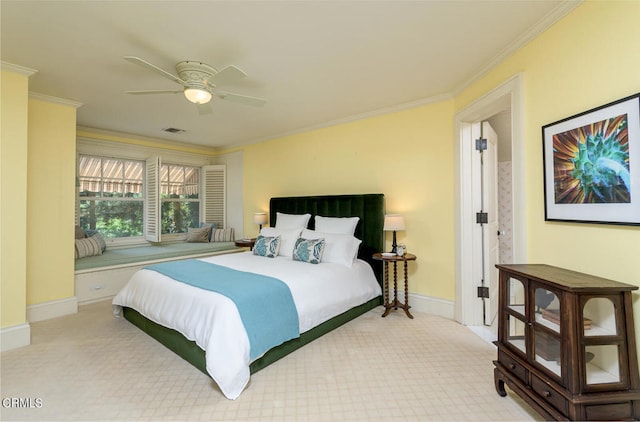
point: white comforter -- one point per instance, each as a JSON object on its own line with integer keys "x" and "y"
{"x": 320, "y": 292}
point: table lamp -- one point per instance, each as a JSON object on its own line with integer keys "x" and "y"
{"x": 393, "y": 222}
{"x": 260, "y": 218}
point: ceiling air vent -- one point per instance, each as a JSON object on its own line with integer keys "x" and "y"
{"x": 174, "y": 130}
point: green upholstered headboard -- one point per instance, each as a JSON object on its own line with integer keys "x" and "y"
{"x": 369, "y": 207}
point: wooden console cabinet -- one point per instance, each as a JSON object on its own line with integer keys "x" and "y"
{"x": 566, "y": 343}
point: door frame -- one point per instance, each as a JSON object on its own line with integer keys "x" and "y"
{"x": 468, "y": 307}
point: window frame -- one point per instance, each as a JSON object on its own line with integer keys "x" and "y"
{"x": 128, "y": 151}
{"x": 124, "y": 240}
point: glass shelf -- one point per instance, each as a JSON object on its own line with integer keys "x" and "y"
{"x": 519, "y": 309}
{"x": 599, "y": 317}
{"x": 552, "y": 365}
{"x": 516, "y": 296}
{"x": 547, "y": 309}
{"x": 516, "y": 333}
{"x": 549, "y": 324}
{"x": 548, "y": 350}
{"x": 603, "y": 365}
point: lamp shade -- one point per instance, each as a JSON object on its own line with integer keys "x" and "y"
{"x": 393, "y": 222}
{"x": 260, "y": 218}
{"x": 197, "y": 96}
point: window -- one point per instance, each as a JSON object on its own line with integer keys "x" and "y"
{"x": 130, "y": 200}
{"x": 111, "y": 196}
{"x": 180, "y": 198}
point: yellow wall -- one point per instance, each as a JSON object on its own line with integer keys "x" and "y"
{"x": 406, "y": 155}
{"x": 51, "y": 199}
{"x": 588, "y": 59}
{"x": 13, "y": 194}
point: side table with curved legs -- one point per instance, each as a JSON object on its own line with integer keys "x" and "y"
{"x": 395, "y": 304}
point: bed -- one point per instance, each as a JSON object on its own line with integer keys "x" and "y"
{"x": 189, "y": 328}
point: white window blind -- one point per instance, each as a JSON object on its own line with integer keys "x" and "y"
{"x": 214, "y": 194}
{"x": 152, "y": 200}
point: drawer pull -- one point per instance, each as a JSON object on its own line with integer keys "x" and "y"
{"x": 546, "y": 393}
{"x": 512, "y": 366}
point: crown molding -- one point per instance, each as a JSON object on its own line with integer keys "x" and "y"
{"x": 87, "y": 132}
{"x": 559, "y": 12}
{"x": 111, "y": 144}
{"x": 55, "y": 100}
{"x": 344, "y": 120}
{"x": 17, "y": 68}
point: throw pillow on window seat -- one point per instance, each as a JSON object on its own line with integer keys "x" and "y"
{"x": 198, "y": 235}
{"x": 80, "y": 234}
{"x": 213, "y": 226}
{"x": 223, "y": 235}
{"x": 89, "y": 246}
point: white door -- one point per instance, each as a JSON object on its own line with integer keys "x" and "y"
{"x": 486, "y": 232}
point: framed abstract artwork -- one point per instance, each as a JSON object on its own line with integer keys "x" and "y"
{"x": 592, "y": 165}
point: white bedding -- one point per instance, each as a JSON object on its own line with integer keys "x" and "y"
{"x": 320, "y": 292}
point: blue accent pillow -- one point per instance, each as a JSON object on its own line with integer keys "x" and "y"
{"x": 308, "y": 250}
{"x": 267, "y": 246}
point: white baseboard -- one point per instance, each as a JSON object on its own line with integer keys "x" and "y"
{"x": 14, "y": 337}
{"x": 430, "y": 305}
{"x": 52, "y": 309}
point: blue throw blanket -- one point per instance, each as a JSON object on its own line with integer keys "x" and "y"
{"x": 265, "y": 303}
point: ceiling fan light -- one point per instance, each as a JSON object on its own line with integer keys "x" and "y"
{"x": 197, "y": 96}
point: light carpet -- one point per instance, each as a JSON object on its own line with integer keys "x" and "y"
{"x": 92, "y": 366}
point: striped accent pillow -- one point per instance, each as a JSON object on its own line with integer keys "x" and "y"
{"x": 88, "y": 247}
{"x": 223, "y": 235}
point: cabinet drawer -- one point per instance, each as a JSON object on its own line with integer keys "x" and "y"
{"x": 513, "y": 366}
{"x": 549, "y": 394}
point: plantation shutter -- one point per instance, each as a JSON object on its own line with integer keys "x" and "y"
{"x": 152, "y": 227}
{"x": 214, "y": 195}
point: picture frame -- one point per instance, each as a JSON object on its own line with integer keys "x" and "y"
{"x": 592, "y": 165}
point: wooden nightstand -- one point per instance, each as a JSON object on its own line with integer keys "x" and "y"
{"x": 395, "y": 304}
{"x": 246, "y": 243}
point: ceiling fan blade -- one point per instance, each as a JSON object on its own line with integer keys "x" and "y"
{"x": 157, "y": 91}
{"x": 204, "y": 108}
{"x": 164, "y": 73}
{"x": 242, "y": 99}
{"x": 227, "y": 75}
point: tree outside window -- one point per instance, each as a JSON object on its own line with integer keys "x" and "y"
{"x": 180, "y": 199}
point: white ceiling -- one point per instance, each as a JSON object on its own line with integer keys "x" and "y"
{"x": 315, "y": 62}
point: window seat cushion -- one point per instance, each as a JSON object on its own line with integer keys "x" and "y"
{"x": 136, "y": 254}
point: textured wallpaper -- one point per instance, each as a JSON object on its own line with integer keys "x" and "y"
{"x": 504, "y": 208}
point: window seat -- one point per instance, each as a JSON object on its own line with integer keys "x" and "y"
{"x": 101, "y": 277}
{"x": 163, "y": 251}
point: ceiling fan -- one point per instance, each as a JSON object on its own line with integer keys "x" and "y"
{"x": 199, "y": 82}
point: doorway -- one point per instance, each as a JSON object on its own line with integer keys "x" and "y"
{"x": 504, "y": 102}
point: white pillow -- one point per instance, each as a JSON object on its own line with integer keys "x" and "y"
{"x": 292, "y": 221}
{"x": 339, "y": 248}
{"x": 287, "y": 238}
{"x": 345, "y": 225}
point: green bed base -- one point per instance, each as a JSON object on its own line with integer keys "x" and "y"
{"x": 193, "y": 354}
